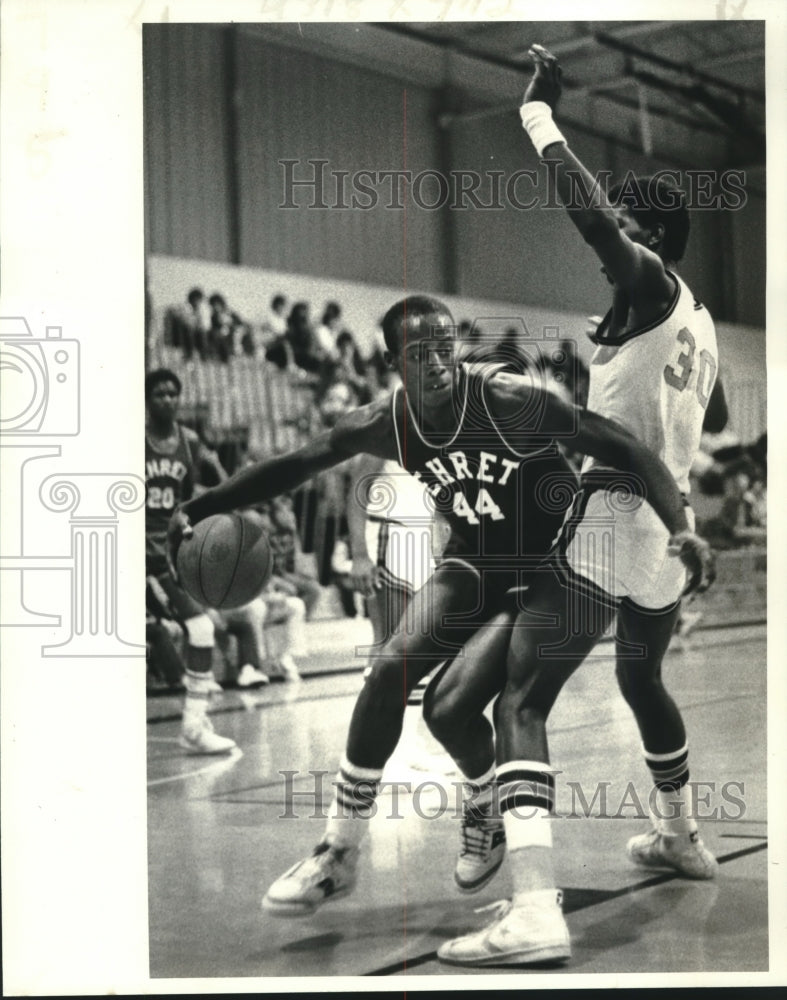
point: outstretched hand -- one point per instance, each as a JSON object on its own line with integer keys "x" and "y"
{"x": 179, "y": 527}
{"x": 698, "y": 558}
{"x": 546, "y": 84}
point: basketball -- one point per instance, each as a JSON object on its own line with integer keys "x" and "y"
{"x": 227, "y": 561}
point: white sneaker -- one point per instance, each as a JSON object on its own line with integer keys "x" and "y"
{"x": 288, "y": 668}
{"x": 328, "y": 874}
{"x": 198, "y": 736}
{"x": 534, "y": 931}
{"x": 683, "y": 852}
{"x": 249, "y": 676}
{"x": 483, "y": 849}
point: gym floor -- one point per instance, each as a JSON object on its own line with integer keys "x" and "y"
{"x": 218, "y": 834}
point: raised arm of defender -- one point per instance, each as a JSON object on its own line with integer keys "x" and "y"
{"x": 592, "y": 434}
{"x": 628, "y": 264}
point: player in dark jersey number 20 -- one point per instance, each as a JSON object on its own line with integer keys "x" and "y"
{"x": 484, "y": 443}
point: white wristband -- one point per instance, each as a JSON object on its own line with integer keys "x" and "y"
{"x": 537, "y": 119}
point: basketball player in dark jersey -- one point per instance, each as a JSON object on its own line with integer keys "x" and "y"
{"x": 483, "y": 442}
{"x": 174, "y": 456}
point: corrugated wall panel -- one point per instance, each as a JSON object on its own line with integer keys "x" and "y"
{"x": 186, "y": 192}
{"x": 301, "y": 107}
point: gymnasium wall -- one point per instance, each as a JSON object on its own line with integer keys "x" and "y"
{"x": 202, "y": 204}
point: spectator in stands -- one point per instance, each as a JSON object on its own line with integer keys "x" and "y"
{"x": 756, "y": 502}
{"x": 378, "y": 370}
{"x": 269, "y": 334}
{"x": 288, "y": 556}
{"x": 300, "y": 344}
{"x": 327, "y": 332}
{"x": 351, "y": 366}
{"x": 245, "y": 623}
{"x": 282, "y": 607}
{"x": 188, "y": 325}
{"x": 729, "y": 528}
{"x": 478, "y": 347}
{"x": 226, "y": 328}
{"x": 335, "y": 399}
{"x": 275, "y": 323}
{"x": 341, "y": 570}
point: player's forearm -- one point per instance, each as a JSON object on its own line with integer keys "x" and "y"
{"x": 260, "y": 482}
{"x": 648, "y": 476}
{"x": 581, "y": 194}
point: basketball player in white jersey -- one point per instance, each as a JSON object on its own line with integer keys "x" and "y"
{"x": 653, "y": 372}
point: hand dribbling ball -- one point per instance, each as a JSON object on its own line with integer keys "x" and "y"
{"x": 227, "y": 562}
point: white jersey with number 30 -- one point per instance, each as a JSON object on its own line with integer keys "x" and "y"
{"x": 656, "y": 381}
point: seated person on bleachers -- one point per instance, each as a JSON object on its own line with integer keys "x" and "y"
{"x": 272, "y": 328}
{"x": 187, "y": 326}
{"x": 327, "y": 331}
{"x": 245, "y": 623}
{"x": 351, "y": 366}
{"x": 226, "y": 328}
{"x": 733, "y": 527}
{"x": 287, "y": 554}
{"x": 341, "y": 571}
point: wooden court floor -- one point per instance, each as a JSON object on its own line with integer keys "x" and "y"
{"x": 221, "y": 829}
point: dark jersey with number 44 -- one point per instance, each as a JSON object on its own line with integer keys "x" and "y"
{"x": 505, "y": 505}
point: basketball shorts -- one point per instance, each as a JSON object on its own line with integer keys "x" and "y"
{"x": 403, "y": 552}
{"x": 616, "y": 548}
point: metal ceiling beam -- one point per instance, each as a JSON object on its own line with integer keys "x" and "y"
{"x": 588, "y": 41}
{"x": 611, "y": 42}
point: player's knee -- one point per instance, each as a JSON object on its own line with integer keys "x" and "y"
{"x": 296, "y": 609}
{"x": 635, "y": 682}
{"x": 201, "y": 631}
{"x": 384, "y": 678}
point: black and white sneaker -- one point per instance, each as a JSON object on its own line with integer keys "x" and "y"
{"x": 483, "y": 849}
{"x": 328, "y": 874}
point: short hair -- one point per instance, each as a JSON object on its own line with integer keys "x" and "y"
{"x": 159, "y": 375}
{"x": 195, "y": 295}
{"x": 277, "y": 300}
{"x": 412, "y": 306}
{"x": 656, "y": 199}
{"x": 332, "y": 311}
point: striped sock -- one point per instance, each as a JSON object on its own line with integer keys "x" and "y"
{"x": 527, "y": 798}
{"x": 672, "y": 805}
{"x": 355, "y": 792}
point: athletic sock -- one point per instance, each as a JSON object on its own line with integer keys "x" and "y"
{"x": 673, "y": 806}
{"x": 355, "y": 791}
{"x": 198, "y": 688}
{"x": 527, "y": 798}
{"x": 479, "y": 792}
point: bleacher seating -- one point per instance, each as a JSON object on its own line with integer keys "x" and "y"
{"x": 244, "y": 392}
